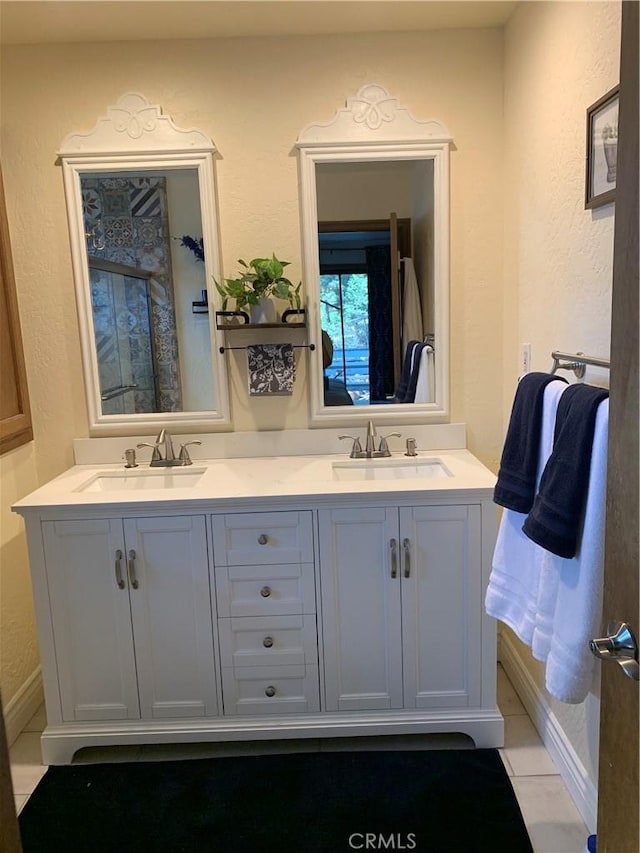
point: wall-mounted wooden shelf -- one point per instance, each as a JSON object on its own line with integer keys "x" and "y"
{"x": 247, "y": 324}
{"x": 228, "y": 327}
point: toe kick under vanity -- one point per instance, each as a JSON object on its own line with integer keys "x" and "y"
{"x": 267, "y": 598}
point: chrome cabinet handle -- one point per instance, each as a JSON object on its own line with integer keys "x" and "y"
{"x": 394, "y": 557}
{"x": 267, "y": 642}
{"x": 270, "y": 691}
{"x": 119, "y": 579}
{"x": 406, "y": 546}
{"x": 131, "y": 566}
{"x": 263, "y": 539}
{"x": 265, "y": 592}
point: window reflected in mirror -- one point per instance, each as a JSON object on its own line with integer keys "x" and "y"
{"x": 373, "y": 303}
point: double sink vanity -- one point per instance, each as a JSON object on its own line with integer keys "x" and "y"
{"x": 244, "y": 598}
{"x": 275, "y": 586}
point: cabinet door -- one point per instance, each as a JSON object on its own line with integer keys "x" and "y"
{"x": 171, "y": 610}
{"x": 360, "y": 609}
{"x": 91, "y": 619}
{"x": 441, "y": 606}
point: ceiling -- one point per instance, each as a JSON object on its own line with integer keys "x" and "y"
{"x": 61, "y": 21}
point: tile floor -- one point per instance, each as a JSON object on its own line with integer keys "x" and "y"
{"x": 554, "y": 823}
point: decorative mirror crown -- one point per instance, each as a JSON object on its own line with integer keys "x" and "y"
{"x": 372, "y": 114}
{"x": 134, "y": 125}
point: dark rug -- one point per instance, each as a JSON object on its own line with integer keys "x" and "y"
{"x": 440, "y": 801}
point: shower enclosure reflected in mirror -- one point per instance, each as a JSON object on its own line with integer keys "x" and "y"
{"x": 136, "y": 186}
{"x": 375, "y": 208}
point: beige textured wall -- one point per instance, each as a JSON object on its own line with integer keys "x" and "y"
{"x": 18, "y": 645}
{"x": 560, "y": 58}
{"x": 253, "y": 106}
{"x": 558, "y": 257}
{"x": 252, "y": 97}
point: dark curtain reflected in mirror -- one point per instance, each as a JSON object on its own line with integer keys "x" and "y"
{"x": 361, "y": 308}
{"x": 381, "y": 374}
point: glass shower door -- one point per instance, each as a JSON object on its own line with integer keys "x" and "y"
{"x": 124, "y": 343}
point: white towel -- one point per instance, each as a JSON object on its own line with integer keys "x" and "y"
{"x": 554, "y": 605}
{"x": 412, "y": 329}
{"x": 570, "y": 594}
{"x": 425, "y": 385}
{"x": 512, "y": 593}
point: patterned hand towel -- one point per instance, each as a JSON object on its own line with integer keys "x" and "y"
{"x": 271, "y": 369}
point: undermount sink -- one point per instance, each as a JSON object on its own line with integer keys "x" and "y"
{"x": 386, "y": 469}
{"x": 166, "y": 478}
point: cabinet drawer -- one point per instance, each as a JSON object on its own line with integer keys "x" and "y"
{"x": 262, "y": 537}
{"x": 266, "y": 590}
{"x": 268, "y": 641}
{"x": 270, "y": 690}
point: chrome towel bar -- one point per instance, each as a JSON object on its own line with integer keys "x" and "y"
{"x": 577, "y": 362}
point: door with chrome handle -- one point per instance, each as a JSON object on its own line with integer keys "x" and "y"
{"x": 620, "y": 646}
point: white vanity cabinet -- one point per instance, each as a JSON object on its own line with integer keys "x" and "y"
{"x": 287, "y": 607}
{"x": 401, "y": 604}
{"x": 131, "y": 617}
{"x": 265, "y": 589}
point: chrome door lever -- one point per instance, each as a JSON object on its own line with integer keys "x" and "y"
{"x": 620, "y": 646}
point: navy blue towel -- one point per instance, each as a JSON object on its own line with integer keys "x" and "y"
{"x": 516, "y": 486}
{"x": 554, "y": 521}
{"x": 406, "y": 390}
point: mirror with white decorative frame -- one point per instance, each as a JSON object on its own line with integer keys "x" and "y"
{"x": 141, "y": 204}
{"x": 374, "y": 195}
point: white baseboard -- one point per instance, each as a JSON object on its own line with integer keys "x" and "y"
{"x": 582, "y": 789}
{"x": 23, "y": 705}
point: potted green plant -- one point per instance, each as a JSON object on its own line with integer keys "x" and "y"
{"x": 257, "y": 282}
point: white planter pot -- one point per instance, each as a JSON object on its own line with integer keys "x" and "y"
{"x": 263, "y": 312}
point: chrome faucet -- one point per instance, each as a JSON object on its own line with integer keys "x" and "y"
{"x": 370, "y": 451}
{"x": 170, "y": 459}
{"x": 164, "y": 437}
{"x": 370, "y": 446}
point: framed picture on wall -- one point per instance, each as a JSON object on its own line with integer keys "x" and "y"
{"x": 602, "y": 150}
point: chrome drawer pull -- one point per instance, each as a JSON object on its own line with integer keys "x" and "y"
{"x": 394, "y": 558}
{"x": 119, "y": 579}
{"x": 265, "y": 592}
{"x": 263, "y": 539}
{"x": 270, "y": 691}
{"x": 131, "y": 565}
{"x": 267, "y": 642}
{"x": 406, "y": 545}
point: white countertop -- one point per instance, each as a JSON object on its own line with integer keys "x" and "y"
{"x": 245, "y": 481}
